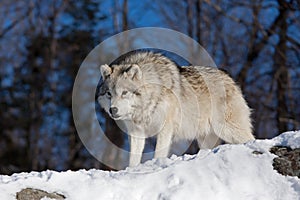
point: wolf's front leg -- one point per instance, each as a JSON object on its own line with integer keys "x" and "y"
{"x": 136, "y": 150}
{"x": 164, "y": 140}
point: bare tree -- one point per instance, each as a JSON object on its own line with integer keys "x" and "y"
{"x": 125, "y": 15}
{"x": 198, "y": 20}
{"x": 280, "y": 69}
{"x": 190, "y": 17}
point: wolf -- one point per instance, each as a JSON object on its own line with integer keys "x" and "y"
{"x": 152, "y": 96}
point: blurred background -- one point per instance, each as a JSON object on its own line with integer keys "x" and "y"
{"x": 43, "y": 43}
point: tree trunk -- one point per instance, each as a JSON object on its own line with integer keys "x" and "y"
{"x": 198, "y": 22}
{"x": 281, "y": 71}
{"x": 125, "y": 15}
{"x": 189, "y": 14}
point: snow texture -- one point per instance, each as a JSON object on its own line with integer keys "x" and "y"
{"x": 226, "y": 172}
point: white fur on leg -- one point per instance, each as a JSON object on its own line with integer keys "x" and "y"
{"x": 164, "y": 140}
{"x": 209, "y": 141}
{"x": 136, "y": 150}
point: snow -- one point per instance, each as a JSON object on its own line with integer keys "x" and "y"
{"x": 226, "y": 172}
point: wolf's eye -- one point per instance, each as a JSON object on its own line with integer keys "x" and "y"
{"x": 137, "y": 92}
{"x": 108, "y": 93}
{"x": 124, "y": 93}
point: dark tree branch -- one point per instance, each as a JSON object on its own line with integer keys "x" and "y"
{"x": 15, "y": 22}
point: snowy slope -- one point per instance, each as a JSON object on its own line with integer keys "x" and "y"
{"x": 226, "y": 172}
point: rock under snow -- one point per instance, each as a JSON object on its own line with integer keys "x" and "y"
{"x": 35, "y": 194}
{"x": 288, "y": 160}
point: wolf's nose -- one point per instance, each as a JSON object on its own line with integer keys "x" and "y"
{"x": 113, "y": 111}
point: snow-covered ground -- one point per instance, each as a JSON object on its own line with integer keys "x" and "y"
{"x": 226, "y": 172}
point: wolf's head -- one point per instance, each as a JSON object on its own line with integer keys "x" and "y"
{"x": 119, "y": 93}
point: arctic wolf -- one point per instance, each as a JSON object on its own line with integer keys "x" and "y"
{"x": 151, "y": 95}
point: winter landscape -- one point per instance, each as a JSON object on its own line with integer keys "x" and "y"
{"x": 48, "y": 151}
{"x": 230, "y": 172}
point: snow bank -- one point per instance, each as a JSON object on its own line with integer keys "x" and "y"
{"x": 226, "y": 172}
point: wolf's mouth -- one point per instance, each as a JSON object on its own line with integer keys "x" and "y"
{"x": 116, "y": 117}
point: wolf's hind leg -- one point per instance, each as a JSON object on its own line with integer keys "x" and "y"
{"x": 136, "y": 150}
{"x": 209, "y": 141}
{"x": 236, "y": 134}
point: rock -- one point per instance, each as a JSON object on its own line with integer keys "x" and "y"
{"x": 257, "y": 152}
{"x": 36, "y": 194}
{"x": 288, "y": 160}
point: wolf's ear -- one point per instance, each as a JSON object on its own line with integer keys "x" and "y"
{"x": 134, "y": 72}
{"x": 105, "y": 71}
